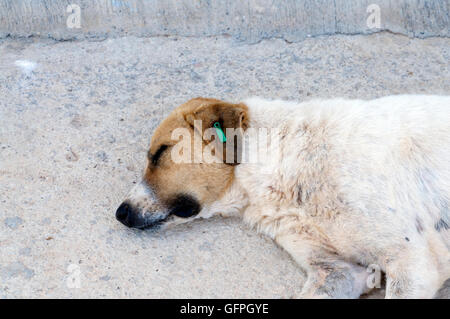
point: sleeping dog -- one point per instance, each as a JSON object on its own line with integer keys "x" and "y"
{"x": 342, "y": 184}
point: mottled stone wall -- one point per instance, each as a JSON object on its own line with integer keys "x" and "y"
{"x": 245, "y": 20}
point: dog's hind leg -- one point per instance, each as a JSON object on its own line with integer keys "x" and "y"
{"x": 327, "y": 275}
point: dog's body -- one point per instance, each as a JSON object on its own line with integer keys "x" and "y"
{"x": 352, "y": 183}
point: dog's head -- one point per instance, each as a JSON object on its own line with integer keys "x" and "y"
{"x": 178, "y": 184}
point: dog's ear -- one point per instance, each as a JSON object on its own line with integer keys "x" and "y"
{"x": 211, "y": 111}
{"x": 215, "y": 114}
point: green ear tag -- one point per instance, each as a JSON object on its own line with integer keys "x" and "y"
{"x": 220, "y": 132}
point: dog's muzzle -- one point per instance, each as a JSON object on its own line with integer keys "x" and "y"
{"x": 141, "y": 209}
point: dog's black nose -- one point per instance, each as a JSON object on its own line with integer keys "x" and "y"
{"x": 123, "y": 212}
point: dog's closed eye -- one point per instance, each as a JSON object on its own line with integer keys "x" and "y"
{"x": 155, "y": 157}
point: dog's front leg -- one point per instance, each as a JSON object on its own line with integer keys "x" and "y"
{"x": 327, "y": 275}
{"x": 412, "y": 273}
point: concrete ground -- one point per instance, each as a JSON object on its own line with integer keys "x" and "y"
{"x": 75, "y": 123}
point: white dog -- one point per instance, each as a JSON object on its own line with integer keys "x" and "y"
{"x": 347, "y": 184}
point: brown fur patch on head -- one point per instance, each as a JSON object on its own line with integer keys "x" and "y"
{"x": 206, "y": 182}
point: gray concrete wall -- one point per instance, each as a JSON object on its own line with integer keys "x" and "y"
{"x": 246, "y": 20}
